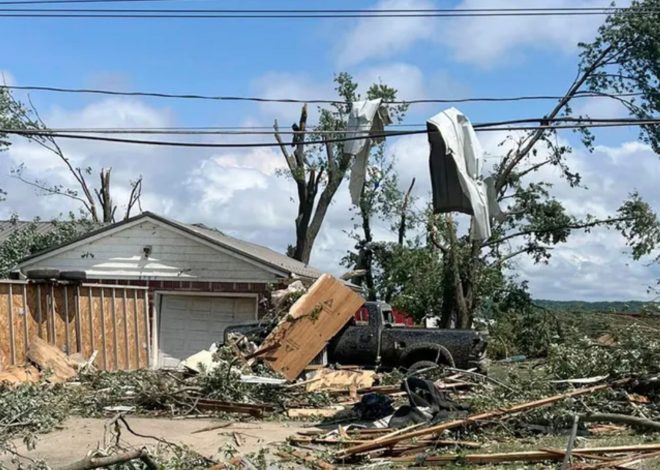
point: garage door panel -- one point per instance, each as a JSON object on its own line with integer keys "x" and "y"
{"x": 189, "y": 324}
{"x": 223, "y": 305}
{"x": 201, "y": 305}
{"x": 177, "y": 303}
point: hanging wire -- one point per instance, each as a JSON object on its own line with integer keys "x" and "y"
{"x": 192, "y": 96}
{"x": 269, "y": 130}
{"x": 316, "y": 13}
{"x": 479, "y": 127}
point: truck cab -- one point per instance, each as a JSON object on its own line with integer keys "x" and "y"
{"x": 377, "y": 341}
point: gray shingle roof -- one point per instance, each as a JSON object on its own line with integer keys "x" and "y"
{"x": 7, "y": 227}
{"x": 262, "y": 253}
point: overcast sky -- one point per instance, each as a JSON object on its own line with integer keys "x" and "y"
{"x": 240, "y": 192}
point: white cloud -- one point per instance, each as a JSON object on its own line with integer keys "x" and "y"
{"x": 476, "y": 40}
{"x": 276, "y": 85}
{"x": 406, "y": 78}
{"x": 127, "y": 162}
{"x": 600, "y": 108}
{"x": 117, "y": 112}
{"x": 489, "y": 41}
{"x": 384, "y": 37}
{"x": 598, "y": 265}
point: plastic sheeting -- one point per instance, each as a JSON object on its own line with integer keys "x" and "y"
{"x": 366, "y": 118}
{"x": 455, "y": 163}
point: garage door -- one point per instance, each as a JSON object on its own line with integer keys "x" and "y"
{"x": 188, "y": 324}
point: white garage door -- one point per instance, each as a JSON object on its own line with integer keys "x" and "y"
{"x": 189, "y": 324}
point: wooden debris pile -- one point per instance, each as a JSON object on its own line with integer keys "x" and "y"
{"x": 445, "y": 442}
{"x": 48, "y": 359}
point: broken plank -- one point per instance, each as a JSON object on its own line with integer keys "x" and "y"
{"x": 531, "y": 456}
{"x": 212, "y": 428}
{"x": 314, "y": 412}
{"x": 256, "y": 411}
{"x": 328, "y": 380}
{"x": 312, "y": 321}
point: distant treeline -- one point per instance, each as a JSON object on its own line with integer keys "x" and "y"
{"x": 633, "y": 306}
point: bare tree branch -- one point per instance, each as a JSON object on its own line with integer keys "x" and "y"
{"x": 404, "y": 213}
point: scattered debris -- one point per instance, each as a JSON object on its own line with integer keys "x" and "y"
{"x": 201, "y": 361}
{"x": 20, "y": 374}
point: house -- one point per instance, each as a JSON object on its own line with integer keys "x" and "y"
{"x": 200, "y": 280}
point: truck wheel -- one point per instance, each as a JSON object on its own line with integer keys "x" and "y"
{"x": 420, "y": 365}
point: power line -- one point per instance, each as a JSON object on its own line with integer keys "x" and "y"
{"x": 424, "y": 11}
{"x": 56, "y": 2}
{"x": 479, "y": 127}
{"x": 318, "y": 13}
{"x": 342, "y": 10}
{"x": 149, "y": 94}
{"x": 266, "y": 130}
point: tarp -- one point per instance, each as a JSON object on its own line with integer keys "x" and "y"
{"x": 365, "y": 118}
{"x": 455, "y": 163}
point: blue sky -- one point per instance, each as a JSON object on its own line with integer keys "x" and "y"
{"x": 239, "y": 191}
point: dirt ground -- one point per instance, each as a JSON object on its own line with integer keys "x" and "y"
{"x": 80, "y": 435}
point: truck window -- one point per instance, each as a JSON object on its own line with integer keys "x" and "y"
{"x": 388, "y": 317}
{"x": 361, "y": 317}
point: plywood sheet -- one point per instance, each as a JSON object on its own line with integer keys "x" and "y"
{"x": 5, "y": 333}
{"x": 98, "y": 331}
{"x": 74, "y": 319}
{"x": 87, "y": 344}
{"x": 19, "y": 320}
{"x": 121, "y": 329}
{"x": 109, "y": 330}
{"x": 312, "y": 321}
{"x": 142, "y": 329}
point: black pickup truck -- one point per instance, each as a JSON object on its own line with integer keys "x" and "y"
{"x": 378, "y": 342}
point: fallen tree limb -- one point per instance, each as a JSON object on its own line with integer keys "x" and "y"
{"x": 621, "y": 463}
{"x": 91, "y": 462}
{"x": 378, "y": 444}
{"x": 651, "y": 450}
{"x": 482, "y": 377}
{"x": 633, "y": 421}
{"x": 313, "y": 461}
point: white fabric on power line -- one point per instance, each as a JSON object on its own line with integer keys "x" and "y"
{"x": 370, "y": 117}
{"x": 455, "y": 163}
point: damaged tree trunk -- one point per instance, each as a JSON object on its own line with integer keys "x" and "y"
{"x": 91, "y": 462}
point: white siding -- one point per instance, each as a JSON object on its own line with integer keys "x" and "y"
{"x": 174, "y": 255}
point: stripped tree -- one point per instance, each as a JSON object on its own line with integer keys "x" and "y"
{"x": 318, "y": 170}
